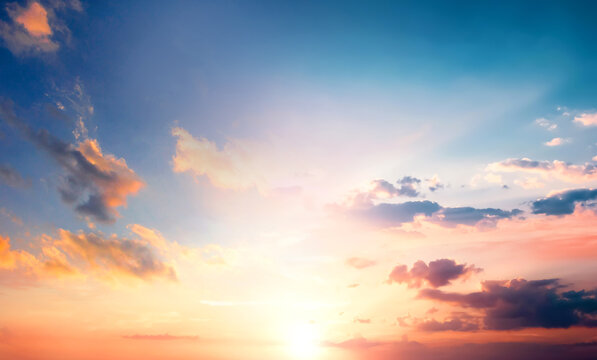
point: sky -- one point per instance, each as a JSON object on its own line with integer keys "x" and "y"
{"x": 298, "y": 180}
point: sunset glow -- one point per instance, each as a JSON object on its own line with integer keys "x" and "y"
{"x": 298, "y": 180}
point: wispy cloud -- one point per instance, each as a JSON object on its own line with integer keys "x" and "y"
{"x": 558, "y": 169}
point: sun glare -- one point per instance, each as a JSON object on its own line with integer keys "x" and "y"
{"x": 303, "y": 341}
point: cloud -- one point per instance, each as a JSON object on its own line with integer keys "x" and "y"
{"x": 529, "y": 183}
{"x": 557, "y": 141}
{"x": 160, "y": 337}
{"x": 12, "y": 178}
{"x": 391, "y": 215}
{"x": 471, "y": 216}
{"x": 434, "y": 183}
{"x": 94, "y": 183}
{"x": 438, "y": 273}
{"x": 556, "y": 169}
{"x": 29, "y": 31}
{"x": 231, "y": 167}
{"x": 563, "y": 203}
{"x": 586, "y": 119}
{"x": 544, "y": 123}
{"x": 359, "y": 263}
{"x": 454, "y": 324}
{"x": 519, "y": 303}
{"x": 112, "y": 254}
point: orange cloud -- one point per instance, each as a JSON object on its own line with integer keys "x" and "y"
{"x": 30, "y": 31}
{"x": 113, "y": 255}
{"x": 35, "y": 20}
{"x": 119, "y": 180}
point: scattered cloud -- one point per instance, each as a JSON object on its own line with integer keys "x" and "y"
{"x": 434, "y": 183}
{"x": 438, "y": 273}
{"x": 558, "y": 169}
{"x": 586, "y": 119}
{"x": 518, "y": 303}
{"x": 544, "y": 123}
{"x": 557, "y": 141}
{"x": 564, "y": 202}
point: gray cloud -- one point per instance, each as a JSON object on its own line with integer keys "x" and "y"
{"x": 563, "y": 203}
{"x": 520, "y": 304}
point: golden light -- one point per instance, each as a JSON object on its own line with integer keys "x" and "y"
{"x": 304, "y": 341}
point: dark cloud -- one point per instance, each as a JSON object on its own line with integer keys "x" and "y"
{"x": 396, "y": 214}
{"x": 520, "y": 304}
{"x": 386, "y": 214}
{"x": 563, "y": 203}
{"x": 94, "y": 183}
{"x": 11, "y": 177}
{"x": 438, "y": 273}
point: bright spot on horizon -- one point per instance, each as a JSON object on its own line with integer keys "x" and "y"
{"x": 303, "y": 341}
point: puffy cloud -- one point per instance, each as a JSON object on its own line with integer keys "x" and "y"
{"x": 359, "y": 263}
{"x": 132, "y": 257}
{"x": 557, "y": 141}
{"x": 563, "y": 203}
{"x": 519, "y": 303}
{"x": 556, "y": 168}
{"x": 586, "y": 119}
{"x": 94, "y": 183}
{"x": 438, "y": 273}
{"x": 11, "y": 177}
{"x": 29, "y": 32}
